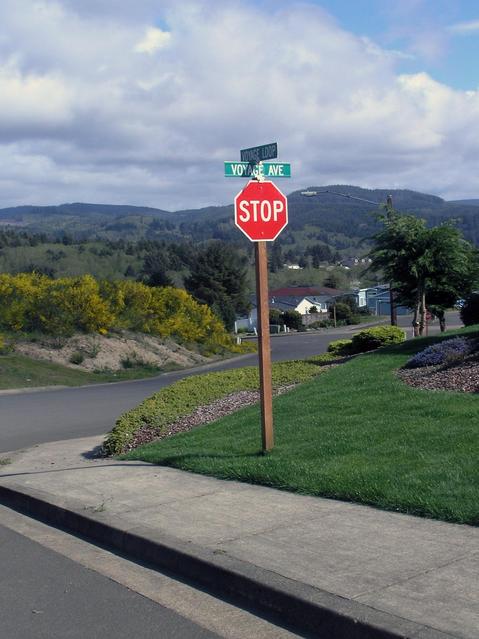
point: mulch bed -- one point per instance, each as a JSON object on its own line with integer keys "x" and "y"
{"x": 461, "y": 377}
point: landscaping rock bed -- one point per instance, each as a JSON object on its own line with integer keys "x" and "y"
{"x": 462, "y": 377}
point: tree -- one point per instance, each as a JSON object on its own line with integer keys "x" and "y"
{"x": 342, "y": 310}
{"x": 334, "y": 280}
{"x": 275, "y": 258}
{"x": 155, "y": 266}
{"x": 129, "y": 271}
{"x": 303, "y": 262}
{"x": 470, "y": 310}
{"x": 350, "y": 301}
{"x": 276, "y": 317}
{"x": 218, "y": 278}
{"x": 293, "y": 320}
{"x": 320, "y": 253}
{"x": 423, "y": 262}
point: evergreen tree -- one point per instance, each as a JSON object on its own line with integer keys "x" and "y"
{"x": 335, "y": 280}
{"x": 275, "y": 258}
{"x": 218, "y": 278}
{"x": 155, "y": 266}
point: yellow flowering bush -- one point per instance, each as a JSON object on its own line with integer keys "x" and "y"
{"x": 32, "y": 302}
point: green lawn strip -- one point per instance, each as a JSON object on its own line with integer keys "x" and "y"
{"x": 17, "y": 371}
{"x": 357, "y": 433}
{"x": 183, "y": 397}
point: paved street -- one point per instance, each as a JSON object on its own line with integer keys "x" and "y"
{"x": 47, "y": 596}
{"x": 36, "y": 417}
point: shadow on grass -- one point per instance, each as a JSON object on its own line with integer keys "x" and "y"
{"x": 174, "y": 460}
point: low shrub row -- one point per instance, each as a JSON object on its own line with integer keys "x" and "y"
{"x": 183, "y": 397}
{"x": 367, "y": 340}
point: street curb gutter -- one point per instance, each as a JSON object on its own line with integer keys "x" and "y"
{"x": 303, "y": 606}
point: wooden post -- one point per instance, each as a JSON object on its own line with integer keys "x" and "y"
{"x": 392, "y": 306}
{"x": 266, "y": 389}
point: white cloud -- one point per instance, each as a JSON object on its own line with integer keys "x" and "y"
{"x": 31, "y": 100}
{"x": 83, "y": 116}
{"x": 465, "y": 27}
{"x": 153, "y": 40}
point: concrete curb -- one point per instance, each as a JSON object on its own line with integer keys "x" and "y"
{"x": 31, "y": 389}
{"x": 300, "y": 605}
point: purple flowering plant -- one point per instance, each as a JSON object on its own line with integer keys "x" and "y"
{"x": 447, "y": 352}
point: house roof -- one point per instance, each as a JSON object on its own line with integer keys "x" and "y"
{"x": 282, "y": 306}
{"x": 318, "y": 299}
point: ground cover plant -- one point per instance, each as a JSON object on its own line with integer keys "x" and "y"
{"x": 444, "y": 352}
{"x": 185, "y": 396}
{"x": 355, "y": 433}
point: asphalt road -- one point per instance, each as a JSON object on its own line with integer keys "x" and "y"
{"x": 30, "y": 418}
{"x": 45, "y": 595}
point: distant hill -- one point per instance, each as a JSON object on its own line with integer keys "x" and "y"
{"x": 80, "y": 209}
{"x": 471, "y": 202}
{"x": 344, "y": 224}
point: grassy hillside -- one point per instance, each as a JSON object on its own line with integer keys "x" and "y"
{"x": 61, "y": 260}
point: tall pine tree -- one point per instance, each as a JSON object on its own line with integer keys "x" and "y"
{"x": 218, "y": 278}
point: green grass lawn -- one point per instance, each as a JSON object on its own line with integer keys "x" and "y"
{"x": 17, "y": 371}
{"x": 355, "y": 433}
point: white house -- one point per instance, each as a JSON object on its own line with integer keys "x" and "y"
{"x": 300, "y": 304}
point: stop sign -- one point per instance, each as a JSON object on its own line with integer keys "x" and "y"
{"x": 261, "y": 211}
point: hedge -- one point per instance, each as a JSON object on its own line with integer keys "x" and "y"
{"x": 371, "y": 338}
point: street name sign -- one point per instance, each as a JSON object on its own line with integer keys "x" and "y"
{"x": 261, "y": 211}
{"x": 250, "y": 169}
{"x": 260, "y": 153}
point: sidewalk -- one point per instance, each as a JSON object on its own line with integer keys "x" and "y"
{"x": 340, "y": 569}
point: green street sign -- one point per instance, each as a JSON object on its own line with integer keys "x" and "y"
{"x": 259, "y": 153}
{"x": 265, "y": 169}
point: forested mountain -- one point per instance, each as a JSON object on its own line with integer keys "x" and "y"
{"x": 343, "y": 224}
{"x": 78, "y": 208}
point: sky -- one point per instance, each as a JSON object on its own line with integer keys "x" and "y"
{"x": 141, "y": 102}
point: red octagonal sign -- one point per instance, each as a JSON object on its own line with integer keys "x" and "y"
{"x": 261, "y": 211}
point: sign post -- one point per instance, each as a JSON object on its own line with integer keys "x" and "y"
{"x": 264, "y": 351}
{"x": 261, "y": 213}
